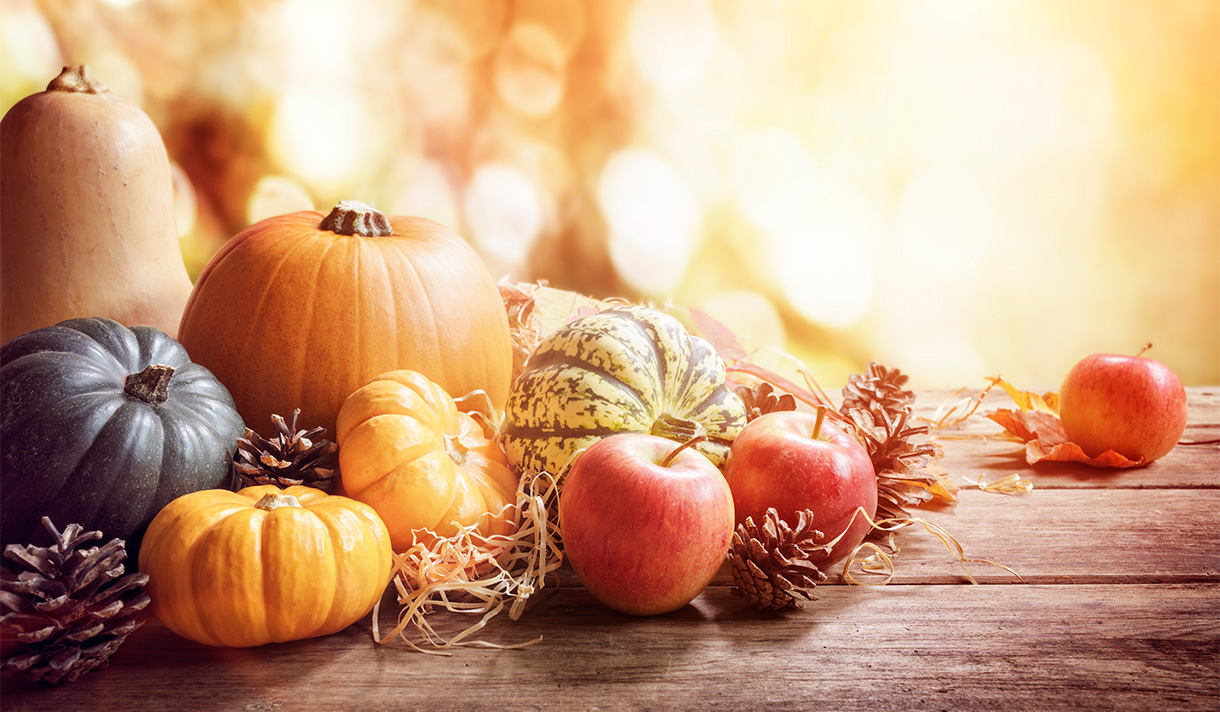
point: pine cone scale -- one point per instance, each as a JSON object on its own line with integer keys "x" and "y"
{"x": 291, "y": 457}
{"x": 66, "y": 610}
{"x": 770, "y": 562}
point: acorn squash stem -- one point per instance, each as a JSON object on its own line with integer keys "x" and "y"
{"x": 150, "y": 385}
{"x": 351, "y": 217}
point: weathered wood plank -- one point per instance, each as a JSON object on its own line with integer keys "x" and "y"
{"x": 1082, "y": 536}
{"x": 899, "y": 647}
{"x": 1086, "y": 536}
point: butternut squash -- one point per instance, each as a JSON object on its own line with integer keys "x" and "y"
{"x": 86, "y": 212}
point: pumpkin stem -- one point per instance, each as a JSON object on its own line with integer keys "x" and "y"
{"x": 274, "y": 500}
{"x": 150, "y": 385}
{"x": 689, "y": 443}
{"x": 455, "y": 449}
{"x": 677, "y": 429}
{"x": 351, "y": 217}
{"x": 77, "y": 79}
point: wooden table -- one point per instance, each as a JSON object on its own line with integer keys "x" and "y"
{"x": 1119, "y": 609}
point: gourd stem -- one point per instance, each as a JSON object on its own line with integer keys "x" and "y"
{"x": 76, "y": 78}
{"x": 689, "y": 443}
{"x": 677, "y": 429}
{"x": 150, "y": 385}
{"x": 351, "y": 217}
{"x": 273, "y": 500}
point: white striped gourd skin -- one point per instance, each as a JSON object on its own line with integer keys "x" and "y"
{"x": 616, "y": 371}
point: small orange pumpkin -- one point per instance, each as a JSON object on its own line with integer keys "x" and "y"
{"x": 407, "y": 451}
{"x": 264, "y": 565}
{"x": 300, "y": 310}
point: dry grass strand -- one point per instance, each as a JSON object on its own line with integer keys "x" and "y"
{"x": 475, "y": 574}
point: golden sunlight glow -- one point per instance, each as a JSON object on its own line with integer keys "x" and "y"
{"x": 276, "y": 195}
{"x": 428, "y": 192}
{"x": 504, "y": 212}
{"x": 27, "y": 49}
{"x": 773, "y": 178}
{"x": 956, "y": 188}
{"x": 654, "y": 220}
{"x": 529, "y": 70}
{"x": 944, "y": 224}
{"x": 671, "y": 41}
{"x": 825, "y": 271}
{"x": 319, "y": 134}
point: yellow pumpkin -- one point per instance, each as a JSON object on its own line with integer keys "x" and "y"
{"x": 264, "y": 565}
{"x": 407, "y": 451}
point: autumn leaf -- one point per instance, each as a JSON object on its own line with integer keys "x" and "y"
{"x": 1036, "y": 423}
{"x": 536, "y": 310}
{"x": 718, "y": 335}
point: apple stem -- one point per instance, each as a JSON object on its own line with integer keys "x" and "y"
{"x": 689, "y": 443}
{"x": 817, "y": 425}
{"x": 1146, "y": 347}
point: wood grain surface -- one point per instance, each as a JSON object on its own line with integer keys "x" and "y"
{"x": 1117, "y": 607}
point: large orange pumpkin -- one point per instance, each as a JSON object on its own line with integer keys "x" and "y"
{"x": 406, "y": 451}
{"x": 299, "y": 310}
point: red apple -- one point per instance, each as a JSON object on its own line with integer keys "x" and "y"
{"x": 1135, "y": 406}
{"x": 792, "y": 461}
{"x": 645, "y": 532}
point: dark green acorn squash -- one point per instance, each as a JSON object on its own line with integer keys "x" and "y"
{"x": 104, "y": 425}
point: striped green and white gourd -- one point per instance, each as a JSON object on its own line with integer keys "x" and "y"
{"x": 628, "y": 369}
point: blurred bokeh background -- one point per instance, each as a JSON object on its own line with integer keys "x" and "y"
{"x": 957, "y": 188}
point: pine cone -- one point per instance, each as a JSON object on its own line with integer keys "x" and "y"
{"x": 762, "y": 399}
{"x": 878, "y": 387}
{"x": 897, "y": 460}
{"x": 65, "y": 610}
{"x": 292, "y": 457}
{"x": 771, "y": 563}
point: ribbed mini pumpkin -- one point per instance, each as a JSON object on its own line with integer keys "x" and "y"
{"x": 407, "y": 451}
{"x": 628, "y": 369}
{"x": 299, "y": 310}
{"x": 264, "y": 565}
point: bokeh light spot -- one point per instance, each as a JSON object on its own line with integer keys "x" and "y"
{"x": 945, "y": 222}
{"x": 654, "y": 219}
{"x": 529, "y": 70}
{"x": 672, "y": 41}
{"x": 504, "y": 213}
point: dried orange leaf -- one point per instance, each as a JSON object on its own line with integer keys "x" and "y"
{"x": 718, "y": 335}
{"x": 1037, "y": 424}
{"x": 1028, "y": 400}
{"x": 1024, "y": 426}
{"x": 535, "y": 310}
